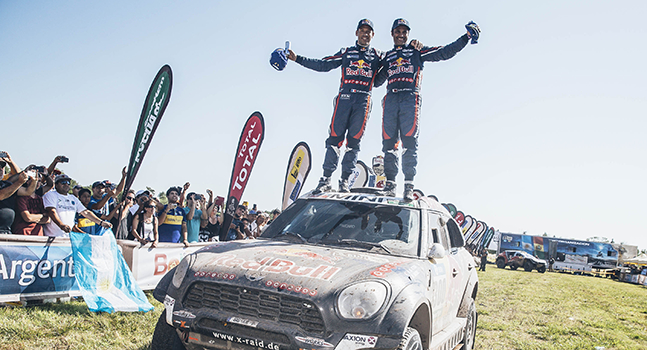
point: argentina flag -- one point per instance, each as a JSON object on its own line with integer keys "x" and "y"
{"x": 103, "y": 276}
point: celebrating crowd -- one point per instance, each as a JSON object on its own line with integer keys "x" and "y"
{"x": 39, "y": 201}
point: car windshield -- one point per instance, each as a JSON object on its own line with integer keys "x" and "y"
{"x": 383, "y": 229}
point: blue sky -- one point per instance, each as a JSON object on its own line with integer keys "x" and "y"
{"x": 538, "y": 128}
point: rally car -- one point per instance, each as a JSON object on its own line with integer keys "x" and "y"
{"x": 518, "y": 258}
{"x": 333, "y": 271}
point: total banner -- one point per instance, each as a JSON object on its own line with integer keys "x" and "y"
{"x": 296, "y": 174}
{"x": 248, "y": 147}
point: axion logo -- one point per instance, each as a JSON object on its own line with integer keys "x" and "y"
{"x": 153, "y": 112}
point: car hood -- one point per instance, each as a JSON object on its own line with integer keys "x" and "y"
{"x": 294, "y": 268}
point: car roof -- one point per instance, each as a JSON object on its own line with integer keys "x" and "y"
{"x": 366, "y": 197}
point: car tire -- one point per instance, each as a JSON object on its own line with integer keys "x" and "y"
{"x": 527, "y": 265}
{"x": 165, "y": 337}
{"x": 500, "y": 263}
{"x": 411, "y": 340}
{"x": 541, "y": 269}
{"x": 470, "y": 328}
{"x": 514, "y": 267}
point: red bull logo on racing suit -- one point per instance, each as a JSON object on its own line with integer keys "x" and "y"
{"x": 401, "y": 65}
{"x": 360, "y": 67}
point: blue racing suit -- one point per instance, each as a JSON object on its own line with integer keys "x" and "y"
{"x": 402, "y": 66}
{"x": 352, "y": 106}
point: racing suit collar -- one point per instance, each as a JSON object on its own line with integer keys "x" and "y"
{"x": 362, "y": 48}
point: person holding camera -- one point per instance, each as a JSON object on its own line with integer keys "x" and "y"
{"x": 10, "y": 189}
{"x": 172, "y": 219}
{"x": 30, "y": 213}
{"x": 195, "y": 216}
{"x": 62, "y": 208}
{"x": 104, "y": 194}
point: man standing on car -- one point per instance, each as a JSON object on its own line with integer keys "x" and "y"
{"x": 352, "y": 106}
{"x": 402, "y": 66}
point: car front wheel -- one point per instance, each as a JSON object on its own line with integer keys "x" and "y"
{"x": 470, "y": 328}
{"x": 410, "y": 340}
{"x": 165, "y": 337}
{"x": 500, "y": 263}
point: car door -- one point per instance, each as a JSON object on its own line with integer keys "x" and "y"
{"x": 438, "y": 291}
{"x": 461, "y": 264}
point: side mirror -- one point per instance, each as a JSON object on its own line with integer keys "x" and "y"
{"x": 437, "y": 251}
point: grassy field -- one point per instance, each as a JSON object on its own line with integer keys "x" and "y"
{"x": 517, "y": 310}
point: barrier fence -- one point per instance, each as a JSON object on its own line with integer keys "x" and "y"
{"x": 34, "y": 267}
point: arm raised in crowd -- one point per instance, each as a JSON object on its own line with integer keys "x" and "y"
{"x": 15, "y": 169}
{"x": 8, "y": 191}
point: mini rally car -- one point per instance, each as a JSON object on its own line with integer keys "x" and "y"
{"x": 518, "y": 258}
{"x": 333, "y": 271}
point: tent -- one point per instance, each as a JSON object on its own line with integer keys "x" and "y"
{"x": 639, "y": 260}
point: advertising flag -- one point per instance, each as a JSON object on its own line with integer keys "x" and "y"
{"x": 105, "y": 281}
{"x": 248, "y": 147}
{"x": 155, "y": 104}
{"x": 296, "y": 174}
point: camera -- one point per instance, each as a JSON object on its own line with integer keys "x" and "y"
{"x": 64, "y": 159}
{"x": 108, "y": 184}
{"x": 3, "y": 154}
{"x": 197, "y": 197}
{"x": 40, "y": 169}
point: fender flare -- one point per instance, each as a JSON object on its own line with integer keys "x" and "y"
{"x": 162, "y": 286}
{"x": 470, "y": 293}
{"x": 409, "y": 309}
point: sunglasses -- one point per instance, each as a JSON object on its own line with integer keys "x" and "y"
{"x": 130, "y": 198}
{"x": 150, "y": 206}
{"x": 64, "y": 182}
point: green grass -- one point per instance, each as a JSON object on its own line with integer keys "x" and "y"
{"x": 529, "y": 310}
{"x": 517, "y": 310}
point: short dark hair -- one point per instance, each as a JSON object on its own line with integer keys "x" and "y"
{"x": 84, "y": 190}
{"x": 190, "y": 195}
{"x": 174, "y": 188}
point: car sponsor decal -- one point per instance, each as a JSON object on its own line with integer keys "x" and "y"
{"x": 360, "y": 256}
{"x": 258, "y": 343}
{"x": 303, "y": 253}
{"x": 181, "y": 324}
{"x": 382, "y": 270}
{"x": 291, "y": 288}
{"x": 169, "y": 303}
{"x": 215, "y": 275}
{"x": 243, "y": 321}
{"x": 183, "y": 314}
{"x": 357, "y": 341}
{"x": 314, "y": 341}
{"x": 275, "y": 265}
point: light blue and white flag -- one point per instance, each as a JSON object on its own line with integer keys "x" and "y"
{"x": 103, "y": 276}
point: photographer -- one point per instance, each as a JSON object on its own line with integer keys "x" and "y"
{"x": 195, "y": 217}
{"x": 30, "y": 212}
{"x": 11, "y": 190}
{"x": 104, "y": 194}
{"x": 172, "y": 219}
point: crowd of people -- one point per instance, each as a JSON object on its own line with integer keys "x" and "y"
{"x": 38, "y": 201}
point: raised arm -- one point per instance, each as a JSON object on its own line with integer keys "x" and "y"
{"x": 320, "y": 65}
{"x": 441, "y": 53}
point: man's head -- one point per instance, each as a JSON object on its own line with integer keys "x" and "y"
{"x": 62, "y": 184}
{"x": 142, "y": 196}
{"x": 98, "y": 189}
{"x": 400, "y": 31}
{"x": 275, "y": 213}
{"x": 76, "y": 190}
{"x": 193, "y": 197}
{"x": 130, "y": 198}
{"x": 84, "y": 196}
{"x": 241, "y": 211}
{"x": 173, "y": 194}
{"x": 364, "y": 32}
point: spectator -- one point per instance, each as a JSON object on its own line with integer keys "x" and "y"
{"x": 483, "y": 260}
{"x": 83, "y": 224}
{"x": 145, "y": 225}
{"x": 194, "y": 216}
{"x": 242, "y": 230}
{"x": 235, "y": 231}
{"x": 13, "y": 167}
{"x": 258, "y": 226}
{"x": 211, "y": 231}
{"x": 275, "y": 214}
{"x": 30, "y": 212}
{"x": 172, "y": 220}
{"x": 62, "y": 208}
{"x": 75, "y": 191}
{"x": 10, "y": 189}
{"x": 124, "y": 223}
{"x": 104, "y": 194}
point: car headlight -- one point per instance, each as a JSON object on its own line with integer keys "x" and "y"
{"x": 361, "y": 300}
{"x": 181, "y": 269}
